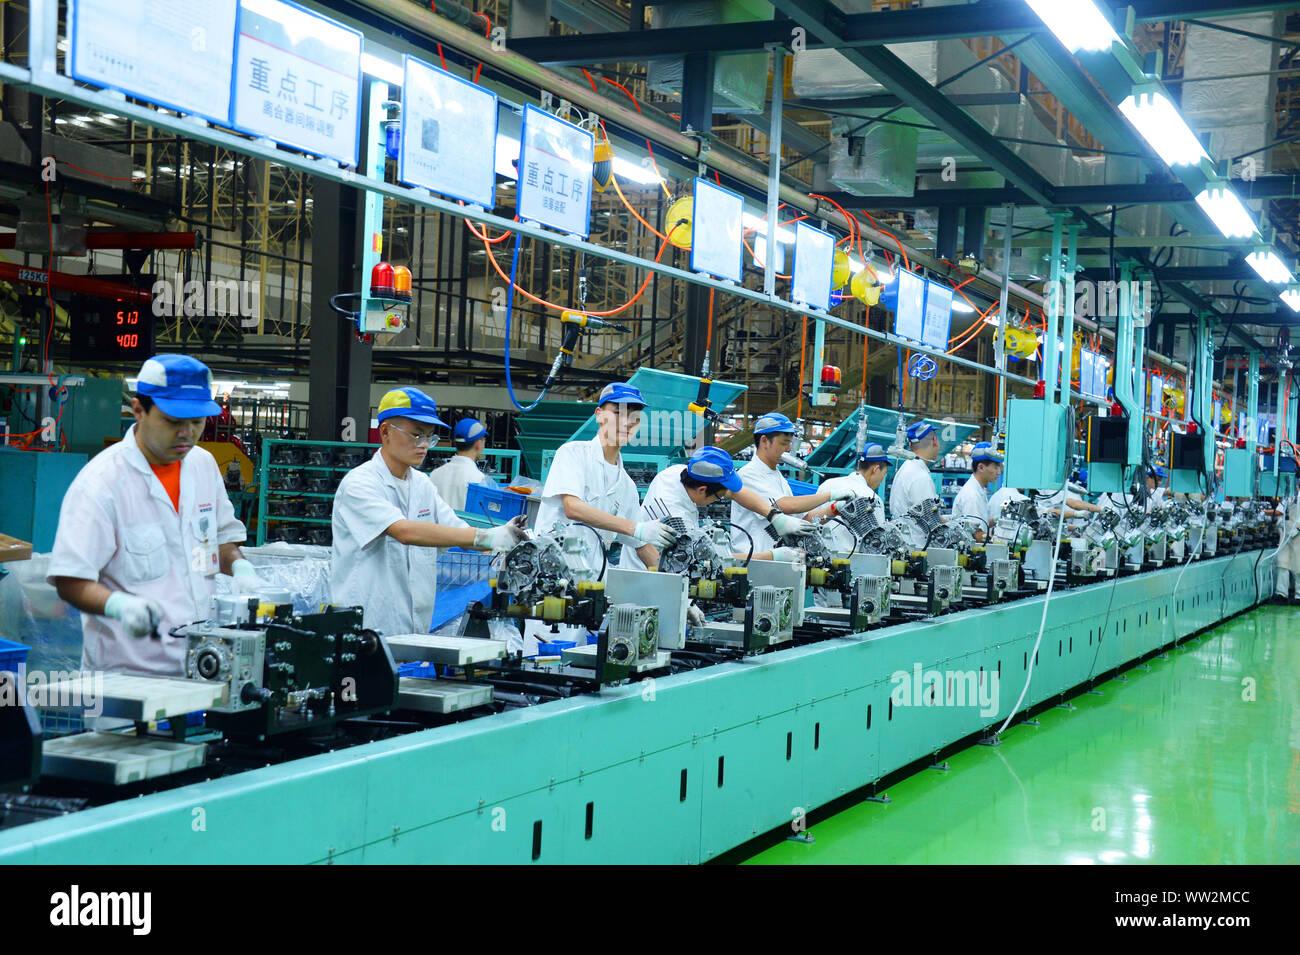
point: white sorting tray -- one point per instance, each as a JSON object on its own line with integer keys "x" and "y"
{"x": 448, "y": 651}
{"x": 116, "y": 758}
{"x": 440, "y": 696}
{"x": 585, "y": 656}
{"x": 130, "y": 696}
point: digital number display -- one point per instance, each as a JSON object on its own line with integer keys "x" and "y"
{"x": 103, "y": 330}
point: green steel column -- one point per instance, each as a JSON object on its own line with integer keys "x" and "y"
{"x": 1126, "y": 368}
{"x": 1204, "y": 389}
{"x": 1067, "y": 329}
{"x": 373, "y": 230}
{"x": 819, "y": 346}
{"x": 999, "y": 337}
{"x": 1252, "y": 405}
{"x": 1050, "y": 358}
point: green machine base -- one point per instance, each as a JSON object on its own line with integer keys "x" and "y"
{"x": 676, "y": 770}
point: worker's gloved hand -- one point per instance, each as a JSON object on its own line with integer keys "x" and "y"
{"x": 501, "y": 538}
{"x": 245, "y": 575}
{"x": 842, "y": 493}
{"x": 695, "y": 616}
{"x": 140, "y": 616}
{"x": 787, "y": 525}
{"x": 791, "y": 554}
{"x": 656, "y": 533}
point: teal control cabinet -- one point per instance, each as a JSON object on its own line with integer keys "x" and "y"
{"x": 1036, "y": 445}
{"x": 1238, "y": 472}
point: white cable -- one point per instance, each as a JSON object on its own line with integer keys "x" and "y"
{"x": 1042, "y": 624}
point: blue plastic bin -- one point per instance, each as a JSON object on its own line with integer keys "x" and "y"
{"x": 554, "y": 648}
{"x": 800, "y": 488}
{"x": 12, "y": 655}
{"x": 421, "y": 671}
{"x": 495, "y": 503}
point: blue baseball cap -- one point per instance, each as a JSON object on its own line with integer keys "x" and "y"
{"x": 984, "y": 451}
{"x": 919, "y": 430}
{"x": 773, "y": 423}
{"x": 620, "y": 393}
{"x": 1156, "y": 471}
{"x": 409, "y": 403}
{"x": 467, "y": 431}
{"x": 714, "y": 466}
{"x": 873, "y": 453}
{"x": 179, "y": 385}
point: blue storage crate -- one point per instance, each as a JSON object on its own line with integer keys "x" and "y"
{"x": 12, "y": 655}
{"x": 457, "y": 567}
{"x": 495, "y": 503}
{"x": 800, "y": 488}
{"x": 554, "y": 648}
{"x": 60, "y": 723}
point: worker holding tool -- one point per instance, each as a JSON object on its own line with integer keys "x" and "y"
{"x": 913, "y": 483}
{"x": 773, "y": 435}
{"x": 453, "y": 478}
{"x": 683, "y": 489}
{"x": 971, "y": 505}
{"x": 1287, "y": 566}
{"x": 587, "y": 484}
{"x": 389, "y": 522}
{"x": 146, "y": 526}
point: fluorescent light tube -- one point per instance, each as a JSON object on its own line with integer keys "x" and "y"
{"x": 1269, "y": 267}
{"x": 1228, "y": 213}
{"x": 390, "y": 73}
{"x": 1077, "y": 23}
{"x": 784, "y": 236}
{"x": 1163, "y": 127}
{"x": 1292, "y": 298}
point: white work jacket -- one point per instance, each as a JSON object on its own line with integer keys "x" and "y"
{"x": 394, "y": 583}
{"x": 972, "y": 504}
{"x": 772, "y": 486}
{"x": 579, "y": 468}
{"x": 912, "y": 485}
{"x": 453, "y": 479}
{"x": 118, "y": 526}
{"x": 666, "y": 497}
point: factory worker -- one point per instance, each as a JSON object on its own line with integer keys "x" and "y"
{"x": 912, "y": 483}
{"x": 390, "y": 520}
{"x": 146, "y": 526}
{"x": 683, "y": 489}
{"x": 971, "y": 505}
{"x": 773, "y": 434}
{"x": 1075, "y": 505}
{"x": 453, "y": 478}
{"x": 864, "y": 481}
{"x": 1155, "y": 490}
{"x": 1287, "y": 566}
{"x": 587, "y": 484}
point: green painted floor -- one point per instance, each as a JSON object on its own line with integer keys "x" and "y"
{"x": 1177, "y": 766}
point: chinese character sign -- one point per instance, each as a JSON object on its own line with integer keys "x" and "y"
{"x": 716, "y": 222}
{"x": 298, "y": 79}
{"x": 449, "y": 133}
{"x": 555, "y": 162}
{"x": 136, "y": 45}
{"x": 814, "y": 259}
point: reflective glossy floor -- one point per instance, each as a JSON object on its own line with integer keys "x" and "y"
{"x": 1194, "y": 761}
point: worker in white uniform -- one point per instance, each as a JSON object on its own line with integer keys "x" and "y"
{"x": 1287, "y": 566}
{"x": 773, "y": 435}
{"x": 682, "y": 490}
{"x": 913, "y": 483}
{"x": 453, "y": 477}
{"x": 389, "y": 522}
{"x": 1155, "y": 486}
{"x": 971, "y": 505}
{"x": 587, "y": 484}
{"x": 146, "y": 526}
{"x": 864, "y": 481}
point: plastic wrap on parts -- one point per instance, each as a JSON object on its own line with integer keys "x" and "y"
{"x": 32, "y": 614}
{"x": 301, "y": 569}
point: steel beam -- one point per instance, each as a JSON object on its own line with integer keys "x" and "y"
{"x": 1233, "y": 271}
{"x": 1120, "y": 194}
{"x": 984, "y": 18}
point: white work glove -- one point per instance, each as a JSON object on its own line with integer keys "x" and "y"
{"x": 695, "y": 616}
{"x": 656, "y": 533}
{"x": 789, "y": 554}
{"x": 140, "y": 616}
{"x": 788, "y": 525}
{"x": 842, "y": 493}
{"x": 245, "y": 576}
{"x": 502, "y": 537}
